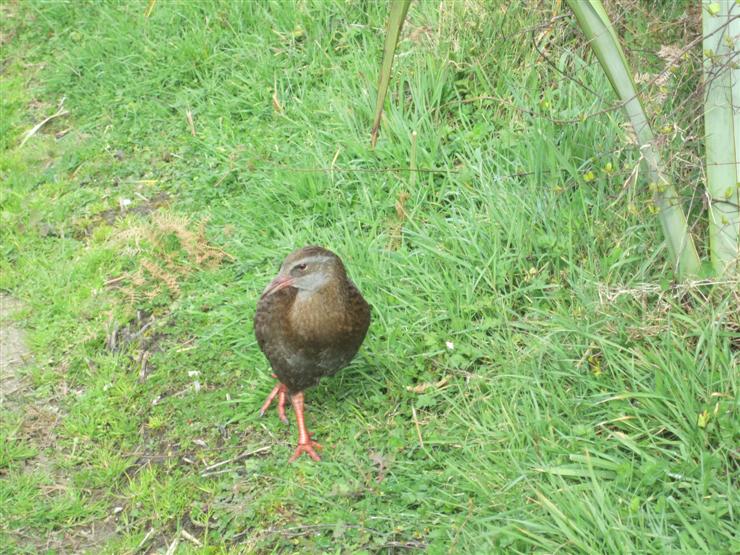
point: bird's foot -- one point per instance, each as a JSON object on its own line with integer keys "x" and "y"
{"x": 305, "y": 443}
{"x": 307, "y": 448}
{"x": 281, "y": 392}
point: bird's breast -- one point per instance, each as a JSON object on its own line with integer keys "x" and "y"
{"x": 319, "y": 319}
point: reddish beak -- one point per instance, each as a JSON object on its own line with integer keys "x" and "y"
{"x": 277, "y": 284}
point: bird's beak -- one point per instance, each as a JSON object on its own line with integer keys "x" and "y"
{"x": 277, "y": 284}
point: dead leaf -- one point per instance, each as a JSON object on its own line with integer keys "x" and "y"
{"x": 422, "y": 387}
{"x": 382, "y": 462}
{"x": 669, "y": 53}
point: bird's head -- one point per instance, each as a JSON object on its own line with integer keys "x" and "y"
{"x": 309, "y": 270}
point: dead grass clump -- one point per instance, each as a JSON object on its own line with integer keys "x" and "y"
{"x": 168, "y": 248}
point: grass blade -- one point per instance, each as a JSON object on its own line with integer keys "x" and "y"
{"x": 399, "y": 8}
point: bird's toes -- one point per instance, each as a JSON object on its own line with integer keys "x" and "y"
{"x": 307, "y": 448}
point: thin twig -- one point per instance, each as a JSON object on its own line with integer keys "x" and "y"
{"x": 143, "y": 542}
{"x": 115, "y": 280}
{"x": 621, "y": 104}
{"x": 144, "y": 372}
{"x": 59, "y": 113}
{"x": 191, "y": 124}
{"x": 207, "y": 470}
{"x": 221, "y": 179}
{"x": 351, "y": 170}
{"x": 188, "y": 536}
{"x": 150, "y": 8}
{"x": 173, "y": 546}
{"x": 418, "y": 428}
{"x": 216, "y": 473}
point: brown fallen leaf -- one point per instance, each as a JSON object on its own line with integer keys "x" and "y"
{"x": 422, "y": 387}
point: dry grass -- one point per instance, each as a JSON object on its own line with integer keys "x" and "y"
{"x": 167, "y": 249}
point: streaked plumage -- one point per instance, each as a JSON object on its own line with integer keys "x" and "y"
{"x": 310, "y": 322}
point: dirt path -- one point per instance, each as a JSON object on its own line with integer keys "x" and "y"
{"x": 13, "y": 349}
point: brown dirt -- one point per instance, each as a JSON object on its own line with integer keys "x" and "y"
{"x": 14, "y": 352}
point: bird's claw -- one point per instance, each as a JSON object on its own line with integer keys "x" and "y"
{"x": 281, "y": 392}
{"x": 307, "y": 448}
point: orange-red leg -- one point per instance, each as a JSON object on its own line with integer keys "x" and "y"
{"x": 281, "y": 392}
{"x": 305, "y": 443}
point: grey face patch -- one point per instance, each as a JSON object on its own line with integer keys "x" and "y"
{"x": 309, "y": 274}
{"x": 309, "y": 261}
{"x": 311, "y": 282}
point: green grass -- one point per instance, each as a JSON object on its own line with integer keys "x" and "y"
{"x": 569, "y": 416}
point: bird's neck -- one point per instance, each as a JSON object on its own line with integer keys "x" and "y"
{"x": 333, "y": 293}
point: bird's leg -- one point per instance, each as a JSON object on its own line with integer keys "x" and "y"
{"x": 305, "y": 443}
{"x": 279, "y": 391}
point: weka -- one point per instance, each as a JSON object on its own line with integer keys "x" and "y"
{"x": 310, "y": 321}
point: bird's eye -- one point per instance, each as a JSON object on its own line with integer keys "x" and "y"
{"x": 300, "y": 267}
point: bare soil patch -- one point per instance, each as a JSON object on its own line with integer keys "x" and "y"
{"x": 14, "y": 352}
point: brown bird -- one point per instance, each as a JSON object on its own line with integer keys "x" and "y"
{"x": 310, "y": 321}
